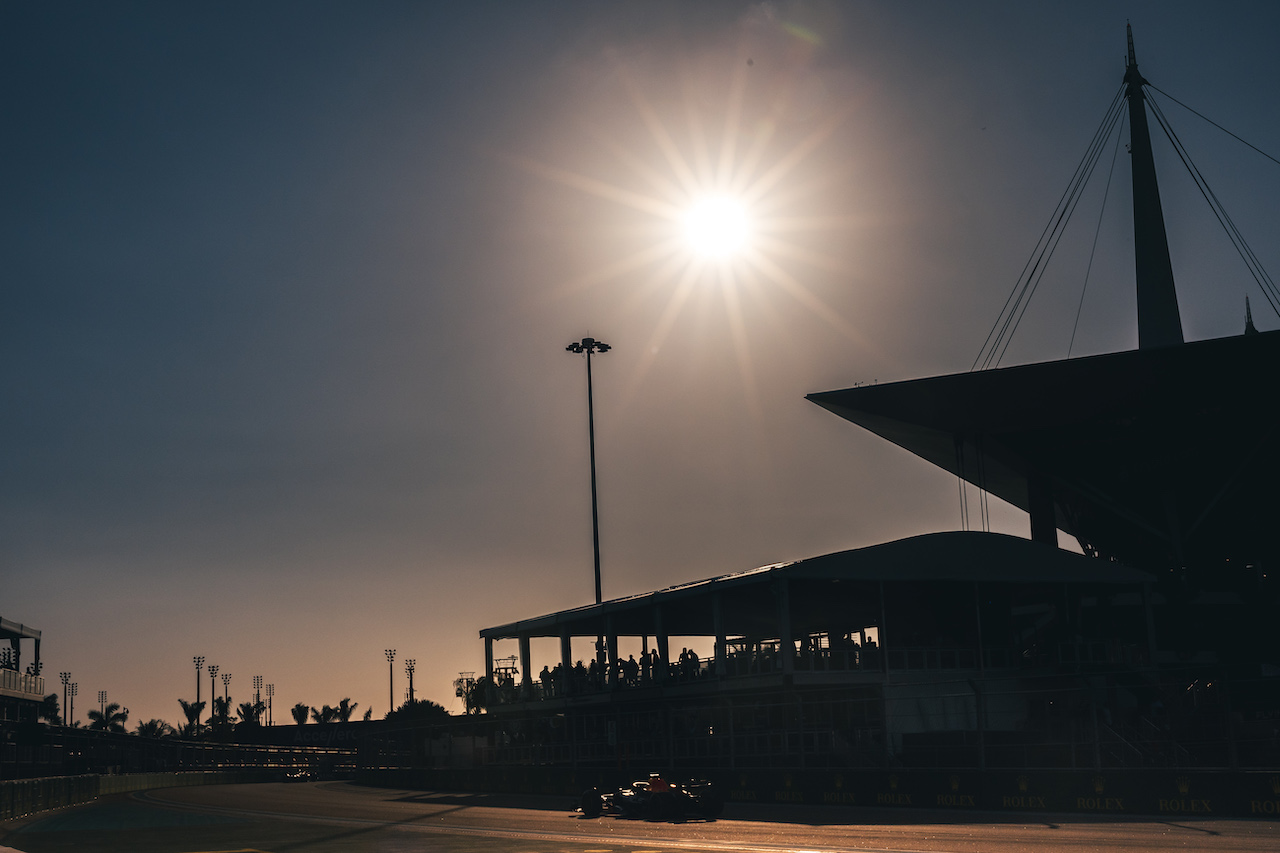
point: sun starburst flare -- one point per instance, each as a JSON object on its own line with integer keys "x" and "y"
{"x": 730, "y": 213}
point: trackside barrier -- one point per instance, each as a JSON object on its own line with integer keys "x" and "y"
{"x": 21, "y": 797}
{"x": 1169, "y": 793}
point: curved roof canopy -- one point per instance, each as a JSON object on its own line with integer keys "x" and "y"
{"x": 935, "y": 557}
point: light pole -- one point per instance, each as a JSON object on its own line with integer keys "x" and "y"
{"x": 271, "y": 691}
{"x": 102, "y": 704}
{"x": 589, "y": 346}
{"x": 74, "y": 688}
{"x": 213, "y": 689}
{"x": 257, "y": 696}
{"x": 409, "y": 665}
{"x": 391, "y": 686}
{"x": 66, "y": 679}
{"x": 198, "y": 660}
{"x": 226, "y": 697}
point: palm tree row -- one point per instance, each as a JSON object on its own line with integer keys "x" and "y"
{"x": 327, "y": 714}
{"x": 112, "y": 717}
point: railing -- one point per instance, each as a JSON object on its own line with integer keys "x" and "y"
{"x": 742, "y": 662}
{"x": 11, "y": 679}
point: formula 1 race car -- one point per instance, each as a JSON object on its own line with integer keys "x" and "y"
{"x": 655, "y": 799}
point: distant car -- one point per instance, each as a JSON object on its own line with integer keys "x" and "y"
{"x": 299, "y": 774}
{"x": 655, "y": 799}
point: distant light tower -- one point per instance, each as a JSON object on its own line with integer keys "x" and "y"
{"x": 198, "y": 660}
{"x": 66, "y": 679}
{"x": 257, "y": 695}
{"x": 409, "y": 665}
{"x": 226, "y": 684}
{"x": 102, "y": 704}
{"x": 391, "y": 688}
{"x": 589, "y": 346}
{"x": 75, "y": 689}
{"x": 213, "y": 689}
{"x": 271, "y": 691}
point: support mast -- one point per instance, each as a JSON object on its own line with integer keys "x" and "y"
{"x": 1159, "y": 323}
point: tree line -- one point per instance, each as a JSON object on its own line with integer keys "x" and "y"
{"x": 222, "y": 722}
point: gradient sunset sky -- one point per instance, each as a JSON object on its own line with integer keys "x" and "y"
{"x": 288, "y": 287}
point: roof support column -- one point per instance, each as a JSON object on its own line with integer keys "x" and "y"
{"x": 717, "y": 618}
{"x": 488, "y": 658}
{"x": 1044, "y": 524}
{"x": 661, "y": 643}
{"x": 526, "y": 679}
{"x": 566, "y": 662}
{"x": 611, "y": 638}
{"x": 883, "y": 640}
{"x": 786, "y": 643}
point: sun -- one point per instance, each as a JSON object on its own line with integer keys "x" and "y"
{"x": 717, "y": 183}
{"x": 716, "y": 227}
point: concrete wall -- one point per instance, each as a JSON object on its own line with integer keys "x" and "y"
{"x": 27, "y": 796}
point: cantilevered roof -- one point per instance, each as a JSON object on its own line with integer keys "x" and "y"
{"x": 1157, "y": 457}
{"x": 956, "y": 556}
{"x": 17, "y": 631}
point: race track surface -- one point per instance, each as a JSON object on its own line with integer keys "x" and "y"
{"x": 326, "y": 817}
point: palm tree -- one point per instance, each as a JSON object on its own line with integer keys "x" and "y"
{"x": 192, "y": 711}
{"x": 110, "y": 719}
{"x": 249, "y": 712}
{"x": 220, "y": 718}
{"x": 221, "y": 711}
{"x": 49, "y": 710}
{"x": 154, "y": 729}
{"x": 327, "y": 714}
{"x": 420, "y": 711}
{"x": 300, "y": 713}
{"x": 345, "y": 709}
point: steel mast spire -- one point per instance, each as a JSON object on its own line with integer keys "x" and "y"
{"x": 1159, "y": 323}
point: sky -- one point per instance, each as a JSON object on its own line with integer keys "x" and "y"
{"x": 288, "y": 286}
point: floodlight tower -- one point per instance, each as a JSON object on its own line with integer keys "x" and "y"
{"x": 65, "y": 677}
{"x": 213, "y": 688}
{"x": 198, "y": 660}
{"x": 590, "y": 346}
{"x": 391, "y": 682}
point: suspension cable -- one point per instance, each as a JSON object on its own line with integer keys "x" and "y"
{"x": 1215, "y": 124}
{"x": 1106, "y": 193}
{"x": 998, "y": 339}
{"x": 1242, "y": 247}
